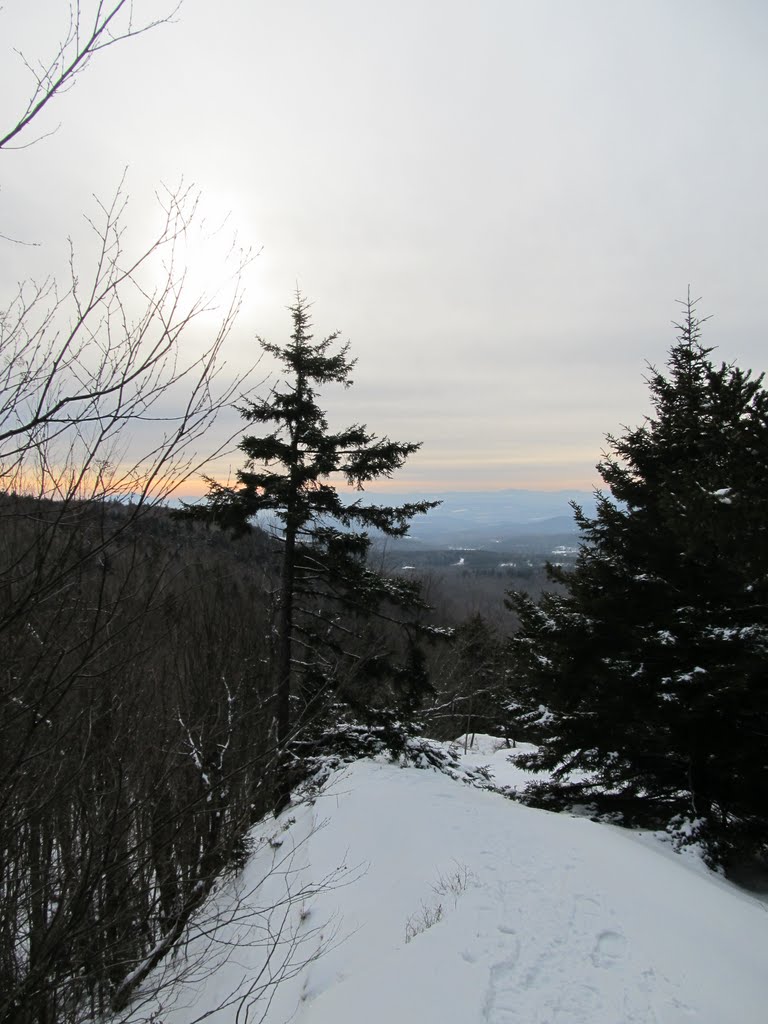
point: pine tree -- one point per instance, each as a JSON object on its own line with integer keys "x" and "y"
{"x": 648, "y": 672}
{"x": 325, "y": 647}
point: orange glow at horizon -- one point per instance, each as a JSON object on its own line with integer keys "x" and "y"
{"x": 438, "y": 484}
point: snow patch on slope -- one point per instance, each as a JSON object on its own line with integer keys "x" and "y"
{"x": 562, "y": 920}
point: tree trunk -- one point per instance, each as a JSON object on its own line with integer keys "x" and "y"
{"x": 283, "y": 667}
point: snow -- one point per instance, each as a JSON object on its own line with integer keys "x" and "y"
{"x": 723, "y": 495}
{"x": 666, "y": 637}
{"x": 436, "y": 902}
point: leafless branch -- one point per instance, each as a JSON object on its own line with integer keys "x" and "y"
{"x": 110, "y": 24}
{"x": 78, "y": 367}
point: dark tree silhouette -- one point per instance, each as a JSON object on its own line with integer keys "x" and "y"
{"x": 648, "y": 674}
{"x": 289, "y": 473}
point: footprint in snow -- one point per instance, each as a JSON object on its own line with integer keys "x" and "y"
{"x": 610, "y": 947}
{"x": 500, "y": 1005}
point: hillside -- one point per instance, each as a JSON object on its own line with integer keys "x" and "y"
{"x": 442, "y": 903}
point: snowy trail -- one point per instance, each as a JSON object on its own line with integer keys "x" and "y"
{"x": 564, "y": 921}
{"x": 552, "y": 919}
{"x": 560, "y": 955}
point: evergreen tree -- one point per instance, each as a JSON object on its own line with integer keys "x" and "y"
{"x": 648, "y": 672}
{"x": 325, "y": 648}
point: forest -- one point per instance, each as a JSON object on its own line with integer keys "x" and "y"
{"x": 172, "y": 671}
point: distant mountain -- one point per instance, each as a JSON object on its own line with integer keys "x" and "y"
{"x": 492, "y": 517}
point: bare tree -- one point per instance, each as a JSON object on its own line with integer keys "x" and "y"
{"x": 105, "y": 853}
{"x": 87, "y": 34}
{"x": 137, "y": 756}
{"x": 77, "y": 367}
{"x": 133, "y": 749}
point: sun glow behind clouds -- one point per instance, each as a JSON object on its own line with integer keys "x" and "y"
{"x": 209, "y": 263}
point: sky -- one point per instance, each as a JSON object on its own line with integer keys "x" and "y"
{"x": 496, "y": 202}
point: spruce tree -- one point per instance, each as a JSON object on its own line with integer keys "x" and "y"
{"x": 647, "y": 671}
{"x": 326, "y": 650}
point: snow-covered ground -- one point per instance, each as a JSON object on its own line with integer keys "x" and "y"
{"x": 441, "y": 903}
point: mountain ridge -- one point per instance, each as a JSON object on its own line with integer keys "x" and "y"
{"x": 490, "y": 517}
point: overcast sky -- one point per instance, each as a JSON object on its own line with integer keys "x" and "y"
{"x": 497, "y": 202}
